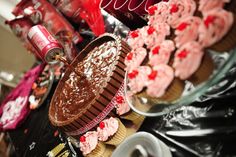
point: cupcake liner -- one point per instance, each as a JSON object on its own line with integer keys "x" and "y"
{"x": 119, "y": 136}
{"x": 204, "y": 71}
{"x": 131, "y": 115}
{"x": 108, "y": 151}
{"x": 98, "y": 151}
{"x": 139, "y": 120}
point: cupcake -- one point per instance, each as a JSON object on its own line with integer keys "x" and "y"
{"x": 187, "y": 30}
{"x": 111, "y": 131}
{"x": 188, "y": 63}
{"x": 187, "y": 60}
{"x": 160, "y": 53}
{"x": 156, "y": 34}
{"x": 208, "y": 5}
{"x": 158, "y": 13}
{"x": 179, "y": 10}
{"x": 138, "y": 79}
{"x": 158, "y": 84}
{"x": 161, "y": 84}
{"x": 123, "y": 109}
{"x": 135, "y": 39}
{"x": 216, "y": 25}
{"x": 135, "y": 58}
{"x": 90, "y": 146}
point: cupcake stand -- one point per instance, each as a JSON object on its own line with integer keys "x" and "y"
{"x": 201, "y": 123}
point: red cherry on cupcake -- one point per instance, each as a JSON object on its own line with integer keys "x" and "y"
{"x": 82, "y": 139}
{"x": 209, "y": 20}
{"x": 153, "y": 75}
{"x": 134, "y": 34}
{"x": 133, "y": 74}
{"x": 183, "y": 54}
{"x": 152, "y": 9}
{"x": 130, "y": 56}
{"x": 102, "y": 125}
{"x": 182, "y": 26}
{"x": 156, "y": 50}
{"x": 119, "y": 99}
{"x": 150, "y": 30}
{"x": 174, "y": 8}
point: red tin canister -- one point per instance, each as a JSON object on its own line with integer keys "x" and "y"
{"x": 45, "y": 44}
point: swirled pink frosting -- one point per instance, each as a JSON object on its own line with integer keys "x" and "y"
{"x": 160, "y": 54}
{"x": 89, "y": 142}
{"x": 122, "y": 106}
{"x": 138, "y": 78}
{"x": 153, "y": 35}
{"x": 208, "y": 5}
{"x": 187, "y": 30}
{"x": 135, "y": 39}
{"x": 160, "y": 78}
{"x": 158, "y": 13}
{"x": 216, "y": 24}
{"x": 187, "y": 59}
{"x": 107, "y": 128}
{"x": 135, "y": 58}
{"x": 178, "y": 10}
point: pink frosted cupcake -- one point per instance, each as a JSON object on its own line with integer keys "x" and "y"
{"x": 208, "y": 5}
{"x": 161, "y": 85}
{"x": 111, "y": 131}
{"x": 159, "y": 79}
{"x": 121, "y": 106}
{"x": 153, "y": 35}
{"x": 216, "y": 25}
{"x": 135, "y": 39}
{"x": 187, "y": 60}
{"x": 90, "y": 146}
{"x": 158, "y": 13}
{"x": 179, "y": 10}
{"x": 135, "y": 58}
{"x": 190, "y": 64}
{"x": 160, "y": 54}
{"x": 138, "y": 79}
{"x": 187, "y": 30}
{"x": 124, "y": 111}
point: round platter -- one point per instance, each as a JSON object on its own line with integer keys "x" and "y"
{"x": 223, "y": 61}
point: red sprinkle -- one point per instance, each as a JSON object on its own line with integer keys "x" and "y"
{"x": 150, "y": 30}
{"x": 174, "y": 8}
{"x": 82, "y": 139}
{"x": 134, "y": 34}
{"x": 56, "y": 133}
{"x": 183, "y": 54}
{"x": 133, "y": 74}
{"x": 156, "y": 50}
{"x": 26, "y": 131}
{"x": 182, "y": 26}
{"x": 165, "y": 0}
{"x": 102, "y": 125}
{"x": 130, "y": 56}
{"x": 152, "y": 9}
{"x": 153, "y": 75}
{"x": 209, "y": 20}
{"x": 119, "y": 99}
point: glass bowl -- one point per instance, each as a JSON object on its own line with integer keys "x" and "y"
{"x": 223, "y": 62}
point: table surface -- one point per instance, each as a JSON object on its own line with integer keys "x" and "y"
{"x": 36, "y": 136}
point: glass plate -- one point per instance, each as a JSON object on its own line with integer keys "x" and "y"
{"x": 223, "y": 62}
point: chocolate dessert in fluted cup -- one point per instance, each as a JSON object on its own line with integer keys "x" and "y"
{"x": 81, "y": 102}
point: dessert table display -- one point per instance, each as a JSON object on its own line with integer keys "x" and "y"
{"x": 143, "y": 92}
